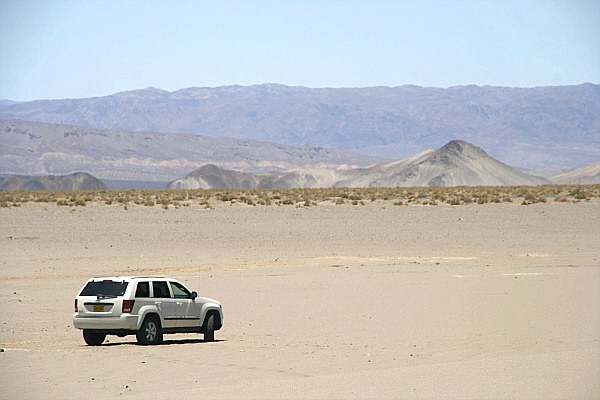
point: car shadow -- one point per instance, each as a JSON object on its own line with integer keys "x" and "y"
{"x": 164, "y": 342}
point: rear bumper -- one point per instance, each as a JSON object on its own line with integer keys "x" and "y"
{"x": 127, "y": 322}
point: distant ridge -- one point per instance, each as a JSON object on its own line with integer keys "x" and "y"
{"x": 554, "y": 127}
{"x": 458, "y": 163}
{"x": 75, "y": 181}
{"x": 35, "y": 148}
{"x": 588, "y": 175}
{"x": 6, "y": 103}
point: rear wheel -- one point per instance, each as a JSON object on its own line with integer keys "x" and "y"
{"x": 149, "y": 333}
{"x": 209, "y": 328}
{"x": 93, "y": 338}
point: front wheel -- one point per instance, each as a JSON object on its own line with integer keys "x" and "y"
{"x": 149, "y": 333}
{"x": 209, "y": 328}
{"x": 93, "y": 338}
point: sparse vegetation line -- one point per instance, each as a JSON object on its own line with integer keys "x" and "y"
{"x": 167, "y": 199}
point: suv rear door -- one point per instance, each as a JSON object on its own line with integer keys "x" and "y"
{"x": 142, "y": 296}
{"x": 166, "y": 304}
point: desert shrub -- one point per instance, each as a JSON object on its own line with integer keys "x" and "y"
{"x": 532, "y": 198}
{"x": 579, "y": 194}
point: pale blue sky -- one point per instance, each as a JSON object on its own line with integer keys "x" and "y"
{"x": 71, "y": 49}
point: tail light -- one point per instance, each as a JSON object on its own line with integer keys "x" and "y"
{"x": 76, "y": 308}
{"x": 128, "y": 305}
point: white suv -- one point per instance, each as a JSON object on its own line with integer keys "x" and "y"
{"x": 144, "y": 306}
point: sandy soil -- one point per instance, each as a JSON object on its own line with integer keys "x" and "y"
{"x": 375, "y": 301}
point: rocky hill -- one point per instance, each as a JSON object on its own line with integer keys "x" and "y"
{"x": 34, "y": 148}
{"x": 531, "y": 128}
{"x": 212, "y": 177}
{"x": 588, "y": 175}
{"x": 458, "y": 163}
{"x": 76, "y": 181}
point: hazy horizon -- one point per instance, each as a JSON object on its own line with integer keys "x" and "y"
{"x": 72, "y": 49}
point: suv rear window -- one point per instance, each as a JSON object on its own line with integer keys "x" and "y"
{"x": 143, "y": 289}
{"x": 106, "y": 288}
{"x": 161, "y": 289}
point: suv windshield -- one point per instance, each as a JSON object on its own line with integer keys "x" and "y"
{"x": 104, "y": 288}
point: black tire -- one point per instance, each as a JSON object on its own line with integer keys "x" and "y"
{"x": 150, "y": 332}
{"x": 93, "y": 338}
{"x": 209, "y": 328}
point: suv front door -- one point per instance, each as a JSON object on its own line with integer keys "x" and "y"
{"x": 188, "y": 309}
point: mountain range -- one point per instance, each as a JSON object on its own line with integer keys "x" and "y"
{"x": 458, "y": 163}
{"x": 552, "y": 128}
{"x": 34, "y": 148}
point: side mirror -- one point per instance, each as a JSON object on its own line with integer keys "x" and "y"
{"x": 194, "y": 295}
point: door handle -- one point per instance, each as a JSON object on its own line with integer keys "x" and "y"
{"x": 158, "y": 303}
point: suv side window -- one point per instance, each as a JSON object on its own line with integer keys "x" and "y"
{"x": 180, "y": 291}
{"x": 161, "y": 289}
{"x": 143, "y": 289}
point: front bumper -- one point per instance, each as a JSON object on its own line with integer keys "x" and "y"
{"x": 128, "y": 322}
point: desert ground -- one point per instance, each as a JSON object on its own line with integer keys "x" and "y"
{"x": 376, "y": 301}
